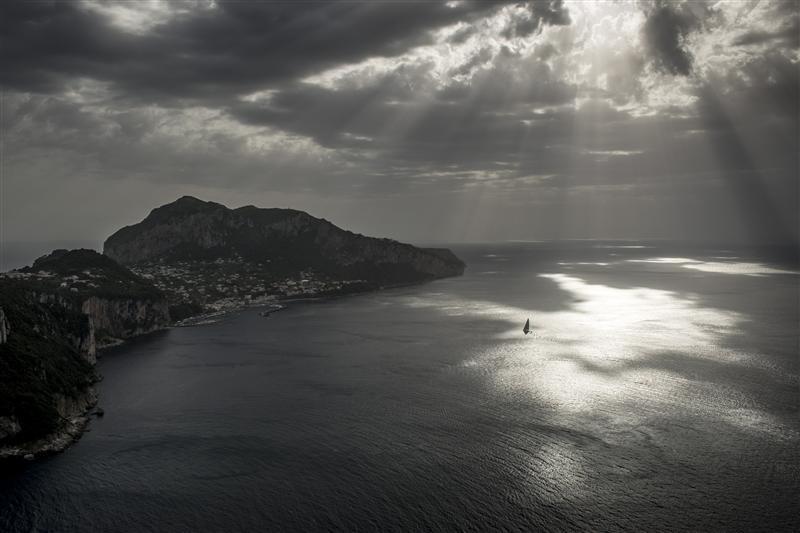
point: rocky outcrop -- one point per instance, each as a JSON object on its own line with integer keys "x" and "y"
{"x": 191, "y": 229}
{"x": 81, "y": 332}
{"x": 106, "y": 321}
{"x": 9, "y": 427}
{"x": 4, "y": 327}
{"x": 118, "y": 319}
{"x": 74, "y": 414}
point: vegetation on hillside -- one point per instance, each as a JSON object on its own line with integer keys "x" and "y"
{"x": 37, "y": 361}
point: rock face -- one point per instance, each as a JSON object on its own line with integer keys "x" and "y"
{"x": 79, "y": 332}
{"x": 74, "y": 415}
{"x": 118, "y": 319}
{"x": 191, "y": 229}
{"x": 9, "y": 427}
{"x": 4, "y": 327}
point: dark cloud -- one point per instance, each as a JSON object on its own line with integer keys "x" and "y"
{"x": 42, "y": 44}
{"x": 212, "y": 56}
{"x": 536, "y": 118}
{"x": 482, "y": 118}
{"x": 536, "y": 15}
{"x": 788, "y": 34}
{"x": 462, "y": 35}
{"x": 232, "y": 48}
{"x": 664, "y": 34}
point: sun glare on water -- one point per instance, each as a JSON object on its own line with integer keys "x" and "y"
{"x": 615, "y": 360}
{"x": 612, "y": 347}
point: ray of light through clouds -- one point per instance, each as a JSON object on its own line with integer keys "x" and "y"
{"x": 486, "y": 120}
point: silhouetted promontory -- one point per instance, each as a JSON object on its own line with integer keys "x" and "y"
{"x": 290, "y": 240}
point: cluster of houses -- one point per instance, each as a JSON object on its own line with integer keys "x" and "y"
{"x": 73, "y": 283}
{"x": 225, "y": 284}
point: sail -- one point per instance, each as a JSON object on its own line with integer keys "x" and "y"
{"x": 527, "y": 327}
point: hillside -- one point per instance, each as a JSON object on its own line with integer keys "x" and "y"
{"x": 290, "y": 241}
{"x": 54, "y": 315}
{"x": 207, "y": 257}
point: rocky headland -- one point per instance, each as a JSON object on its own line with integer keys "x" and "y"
{"x": 54, "y": 317}
{"x": 185, "y": 259}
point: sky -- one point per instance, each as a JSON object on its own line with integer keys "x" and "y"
{"x": 424, "y": 121}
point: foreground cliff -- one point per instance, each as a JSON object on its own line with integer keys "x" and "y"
{"x": 204, "y": 254}
{"x": 54, "y": 315}
{"x": 45, "y": 378}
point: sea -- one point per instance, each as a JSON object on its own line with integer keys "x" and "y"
{"x": 657, "y": 391}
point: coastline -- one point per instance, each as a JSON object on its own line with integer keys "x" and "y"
{"x": 78, "y": 412}
{"x": 75, "y": 420}
{"x": 281, "y": 303}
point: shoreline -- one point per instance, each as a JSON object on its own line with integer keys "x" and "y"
{"x": 278, "y": 302}
{"x": 76, "y": 421}
{"x": 73, "y": 426}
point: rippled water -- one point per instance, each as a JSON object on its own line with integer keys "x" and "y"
{"x": 658, "y": 391}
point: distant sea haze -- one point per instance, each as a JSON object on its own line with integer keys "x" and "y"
{"x": 19, "y": 254}
{"x": 657, "y": 391}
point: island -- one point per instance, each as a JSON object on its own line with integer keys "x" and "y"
{"x": 185, "y": 260}
{"x": 203, "y": 254}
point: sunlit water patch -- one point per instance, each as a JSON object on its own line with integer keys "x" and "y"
{"x": 719, "y": 267}
{"x": 594, "y": 351}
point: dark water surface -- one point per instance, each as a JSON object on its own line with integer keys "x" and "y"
{"x": 659, "y": 391}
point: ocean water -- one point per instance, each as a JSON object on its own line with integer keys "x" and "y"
{"x": 658, "y": 391}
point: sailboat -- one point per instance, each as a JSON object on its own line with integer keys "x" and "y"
{"x": 527, "y": 328}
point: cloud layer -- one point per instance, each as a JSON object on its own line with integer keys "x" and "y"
{"x": 460, "y": 120}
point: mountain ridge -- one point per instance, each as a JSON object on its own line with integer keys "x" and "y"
{"x": 193, "y": 229}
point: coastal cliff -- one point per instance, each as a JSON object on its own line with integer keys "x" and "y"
{"x": 54, "y": 316}
{"x": 4, "y": 327}
{"x": 118, "y": 319}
